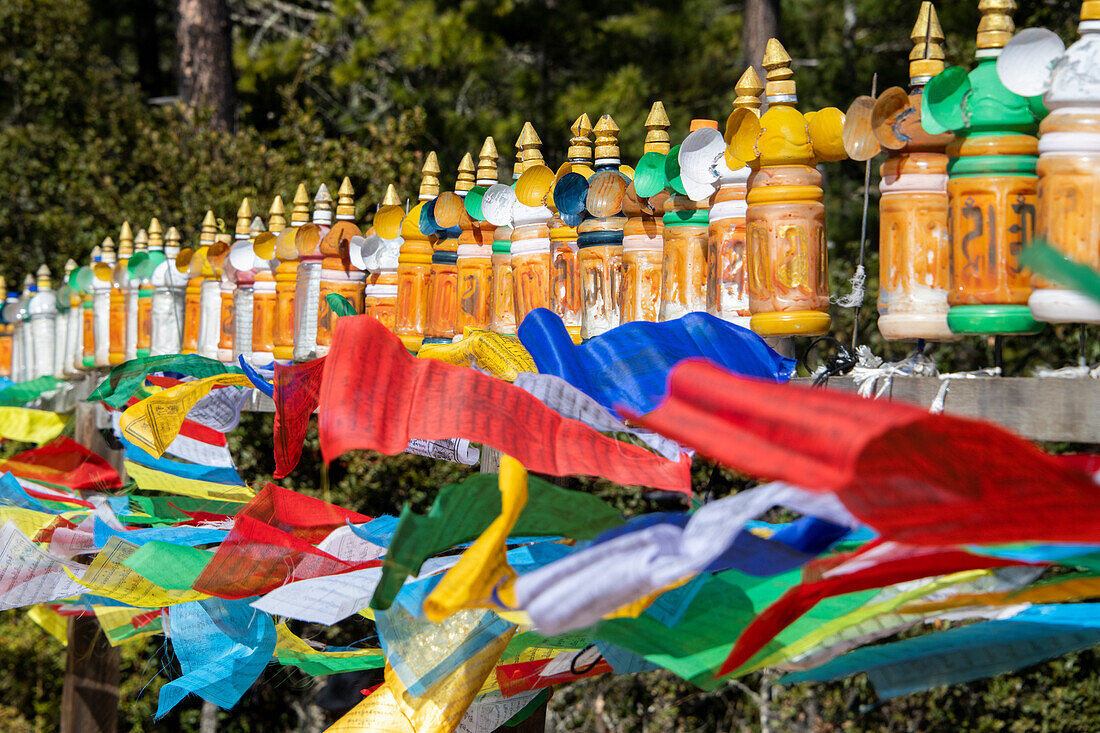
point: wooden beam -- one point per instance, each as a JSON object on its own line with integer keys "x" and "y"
{"x": 1051, "y": 409}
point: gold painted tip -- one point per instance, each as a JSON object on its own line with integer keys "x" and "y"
{"x": 487, "y": 160}
{"x": 245, "y": 209}
{"x": 301, "y": 195}
{"x": 1090, "y": 10}
{"x": 141, "y": 240}
{"x": 28, "y": 281}
{"x": 125, "y": 233}
{"x": 345, "y": 200}
{"x": 173, "y": 236}
{"x": 995, "y": 28}
{"x": 156, "y": 238}
{"x": 775, "y": 56}
{"x": 466, "y": 173}
{"x": 607, "y": 138}
{"x": 431, "y": 165}
{"x": 209, "y": 221}
{"x": 97, "y": 251}
{"x": 927, "y": 57}
{"x": 748, "y": 88}
{"x": 277, "y": 208}
{"x": 582, "y": 126}
{"x": 777, "y": 63}
{"x": 70, "y": 265}
{"x": 429, "y": 184}
{"x": 657, "y": 116}
{"x": 43, "y": 276}
{"x": 244, "y": 218}
{"x": 528, "y": 137}
{"x": 391, "y": 198}
{"x": 322, "y": 199}
{"x": 656, "y": 125}
{"x": 154, "y": 227}
{"x": 107, "y": 245}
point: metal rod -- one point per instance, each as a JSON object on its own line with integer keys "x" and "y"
{"x": 863, "y": 226}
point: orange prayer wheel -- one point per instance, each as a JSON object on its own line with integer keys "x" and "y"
{"x": 502, "y": 317}
{"x": 684, "y": 272}
{"x": 643, "y": 260}
{"x": 530, "y": 265}
{"x": 448, "y": 213}
{"x": 414, "y": 264}
{"x": 566, "y": 298}
{"x": 475, "y": 271}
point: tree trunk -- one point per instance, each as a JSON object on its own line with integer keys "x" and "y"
{"x": 761, "y": 22}
{"x": 205, "y": 62}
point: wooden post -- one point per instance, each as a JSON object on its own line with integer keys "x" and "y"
{"x": 89, "y": 700}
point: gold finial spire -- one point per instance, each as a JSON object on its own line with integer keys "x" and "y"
{"x": 70, "y": 265}
{"x": 926, "y": 58}
{"x": 345, "y": 200}
{"x": 391, "y": 198}
{"x": 996, "y": 26}
{"x": 529, "y": 147}
{"x": 580, "y": 145}
{"x": 656, "y": 130}
{"x": 209, "y": 229}
{"x": 43, "y": 277}
{"x": 28, "y": 282}
{"x": 487, "y": 162}
{"x": 125, "y": 240}
{"x": 256, "y": 228}
{"x": 141, "y": 240}
{"x": 172, "y": 239}
{"x": 276, "y": 221}
{"x": 429, "y": 185}
{"x": 299, "y": 214}
{"x": 244, "y": 218}
{"x": 466, "y": 174}
{"x": 156, "y": 238}
{"x": 607, "y": 139}
{"x": 780, "y": 85}
{"x": 107, "y": 251}
{"x": 748, "y": 89}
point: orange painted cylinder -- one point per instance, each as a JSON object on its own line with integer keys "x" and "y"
{"x": 566, "y": 298}
{"x": 643, "y": 258}
{"x": 502, "y": 298}
{"x": 144, "y": 319}
{"x": 442, "y": 318}
{"x": 914, "y": 247}
{"x": 684, "y": 274}
{"x": 5, "y": 350}
{"x": 286, "y": 277}
{"x": 341, "y": 283}
{"x": 380, "y": 298}
{"x": 225, "y": 324}
{"x": 88, "y": 327}
{"x": 727, "y": 256}
{"x": 117, "y": 353}
{"x": 413, "y": 273}
{"x": 475, "y": 272}
{"x": 600, "y": 256}
{"x": 530, "y": 268}
{"x": 788, "y": 266}
{"x": 264, "y": 304}
{"x": 992, "y": 219}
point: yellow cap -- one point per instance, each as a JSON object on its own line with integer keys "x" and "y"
{"x": 244, "y": 218}
{"x": 299, "y": 213}
{"x": 748, "y": 89}
{"x": 580, "y": 145}
{"x": 926, "y": 58}
{"x": 209, "y": 229}
{"x": 1090, "y": 10}
{"x": 172, "y": 238}
{"x": 995, "y": 29}
{"x": 276, "y": 216}
{"x": 466, "y": 173}
{"x": 780, "y": 85}
{"x": 345, "y": 200}
{"x": 607, "y": 138}
{"x": 487, "y": 162}
{"x": 656, "y": 130}
{"x": 125, "y": 240}
{"x": 429, "y": 184}
{"x": 43, "y": 277}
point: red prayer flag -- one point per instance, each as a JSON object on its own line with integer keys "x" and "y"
{"x": 64, "y": 462}
{"x": 375, "y": 395}
{"x": 913, "y": 476}
{"x": 306, "y": 517}
{"x": 297, "y": 393}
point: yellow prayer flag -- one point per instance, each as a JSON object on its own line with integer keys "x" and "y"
{"x": 501, "y": 355}
{"x": 470, "y": 583}
{"x": 108, "y": 577}
{"x": 155, "y": 422}
{"x": 51, "y": 621}
{"x": 30, "y": 426}
{"x": 150, "y": 479}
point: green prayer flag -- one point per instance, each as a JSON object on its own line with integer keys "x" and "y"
{"x": 463, "y": 511}
{"x": 1049, "y": 262}
{"x": 128, "y": 378}
{"x": 170, "y": 509}
{"x": 172, "y": 567}
{"x": 20, "y": 393}
{"x": 317, "y": 664}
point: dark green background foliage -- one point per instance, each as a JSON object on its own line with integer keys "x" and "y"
{"x": 329, "y": 88}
